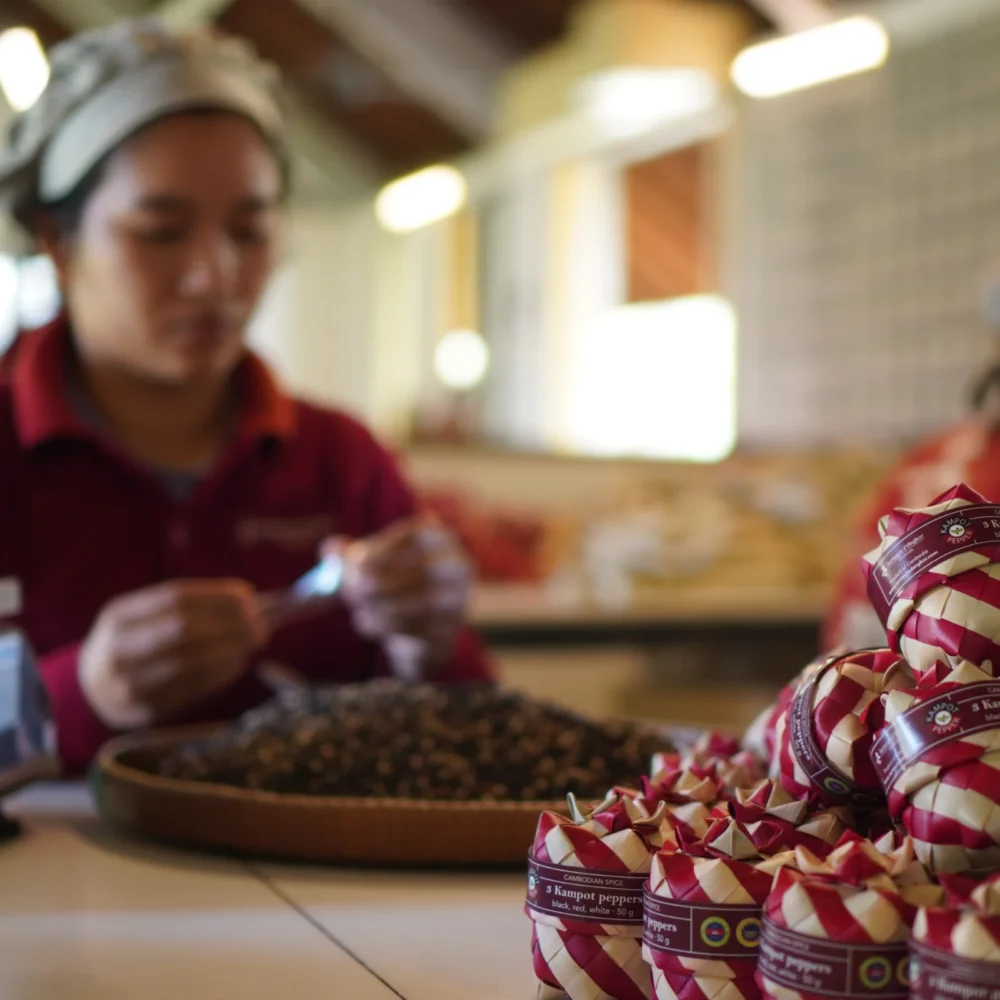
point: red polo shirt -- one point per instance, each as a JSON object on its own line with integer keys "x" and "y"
{"x": 81, "y": 523}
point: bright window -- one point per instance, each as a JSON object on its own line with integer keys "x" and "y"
{"x": 29, "y": 295}
{"x": 8, "y": 300}
{"x": 656, "y": 380}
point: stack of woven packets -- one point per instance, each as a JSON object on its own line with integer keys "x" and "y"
{"x": 848, "y": 847}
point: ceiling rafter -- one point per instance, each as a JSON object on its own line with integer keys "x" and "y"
{"x": 356, "y": 94}
{"x": 429, "y": 49}
{"x": 794, "y": 15}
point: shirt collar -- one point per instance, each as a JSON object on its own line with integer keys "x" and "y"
{"x": 43, "y": 410}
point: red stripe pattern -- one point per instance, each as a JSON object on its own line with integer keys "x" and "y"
{"x": 776, "y": 821}
{"x": 845, "y": 713}
{"x": 949, "y": 800}
{"x": 855, "y": 896}
{"x": 967, "y": 927}
{"x": 728, "y": 872}
{"x": 583, "y": 960}
{"x": 951, "y": 611}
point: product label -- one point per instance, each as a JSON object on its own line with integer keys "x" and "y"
{"x": 581, "y": 894}
{"x": 930, "y": 543}
{"x": 833, "y": 788}
{"x": 702, "y": 930}
{"x": 937, "y": 975}
{"x": 848, "y": 971}
{"x": 936, "y": 722}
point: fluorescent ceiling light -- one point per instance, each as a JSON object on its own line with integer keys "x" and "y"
{"x": 24, "y": 69}
{"x": 461, "y": 360}
{"x": 806, "y": 58}
{"x": 628, "y": 102}
{"x": 420, "y": 199}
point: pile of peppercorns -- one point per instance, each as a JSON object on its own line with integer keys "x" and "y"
{"x": 446, "y": 742}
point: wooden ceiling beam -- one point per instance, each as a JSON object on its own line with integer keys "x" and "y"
{"x": 356, "y": 95}
{"x": 434, "y": 52}
{"x": 794, "y": 15}
{"x": 25, "y": 12}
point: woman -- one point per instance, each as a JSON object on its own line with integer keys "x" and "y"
{"x": 155, "y": 480}
{"x": 968, "y": 452}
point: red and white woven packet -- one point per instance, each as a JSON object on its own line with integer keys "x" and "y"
{"x": 823, "y": 737}
{"x": 934, "y": 581}
{"x": 693, "y": 793}
{"x": 702, "y": 916}
{"x": 939, "y": 760}
{"x": 774, "y": 820}
{"x": 839, "y": 927}
{"x": 955, "y": 949}
{"x": 718, "y": 760}
{"x": 586, "y": 875}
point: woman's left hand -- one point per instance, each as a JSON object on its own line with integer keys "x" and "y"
{"x": 408, "y": 588}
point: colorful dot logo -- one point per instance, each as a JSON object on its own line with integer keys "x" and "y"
{"x": 715, "y": 932}
{"x": 903, "y": 970}
{"x": 532, "y": 885}
{"x": 748, "y": 932}
{"x": 835, "y": 786}
{"x": 875, "y": 972}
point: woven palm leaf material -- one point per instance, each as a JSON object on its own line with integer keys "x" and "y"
{"x": 693, "y": 818}
{"x": 823, "y": 738}
{"x": 939, "y": 759}
{"x": 758, "y": 740}
{"x": 934, "y": 581}
{"x": 717, "y": 760}
{"x": 773, "y": 819}
{"x": 586, "y": 874}
{"x": 838, "y": 927}
{"x": 703, "y": 908}
{"x": 955, "y": 948}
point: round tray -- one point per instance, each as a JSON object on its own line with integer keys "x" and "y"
{"x": 303, "y": 827}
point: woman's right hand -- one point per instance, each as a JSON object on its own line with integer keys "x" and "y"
{"x": 155, "y": 652}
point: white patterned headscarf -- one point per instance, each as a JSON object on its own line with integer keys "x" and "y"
{"x": 107, "y": 84}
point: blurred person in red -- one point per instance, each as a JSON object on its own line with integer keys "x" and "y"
{"x": 967, "y": 452}
{"x": 156, "y": 479}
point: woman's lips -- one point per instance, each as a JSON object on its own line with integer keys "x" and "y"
{"x": 208, "y": 327}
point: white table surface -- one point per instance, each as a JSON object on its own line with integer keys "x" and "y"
{"x": 85, "y": 915}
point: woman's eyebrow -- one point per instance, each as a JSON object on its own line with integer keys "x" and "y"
{"x": 174, "y": 203}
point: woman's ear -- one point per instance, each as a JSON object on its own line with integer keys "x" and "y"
{"x": 50, "y": 241}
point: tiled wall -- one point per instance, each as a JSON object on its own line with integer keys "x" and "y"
{"x": 866, "y": 215}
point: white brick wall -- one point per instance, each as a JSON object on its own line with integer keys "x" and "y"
{"x": 867, "y": 213}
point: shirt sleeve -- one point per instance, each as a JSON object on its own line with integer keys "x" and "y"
{"x": 390, "y": 498}
{"x": 79, "y": 733}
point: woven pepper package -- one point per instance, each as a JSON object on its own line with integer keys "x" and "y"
{"x": 586, "y": 875}
{"x": 839, "y": 927}
{"x": 774, "y": 819}
{"x": 692, "y": 792}
{"x": 702, "y": 914}
{"x": 823, "y": 738}
{"x": 939, "y": 760}
{"x": 955, "y": 948}
{"x": 934, "y": 581}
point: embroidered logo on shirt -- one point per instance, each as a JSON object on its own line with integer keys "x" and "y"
{"x": 284, "y": 532}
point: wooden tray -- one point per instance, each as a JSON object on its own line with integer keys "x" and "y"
{"x": 303, "y": 827}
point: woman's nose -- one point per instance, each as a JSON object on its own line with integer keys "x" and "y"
{"x": 210, "y": 268}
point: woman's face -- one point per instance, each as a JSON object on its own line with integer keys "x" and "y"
{"x": 174, "y": 249}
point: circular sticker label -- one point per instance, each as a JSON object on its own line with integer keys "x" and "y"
{"x": 903, "y": 970}
{"x": 748, "y": 932}
{"x": 876, "y": 972}
{"x": 715, "y": 932}
{"x": 835, "y": 786}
